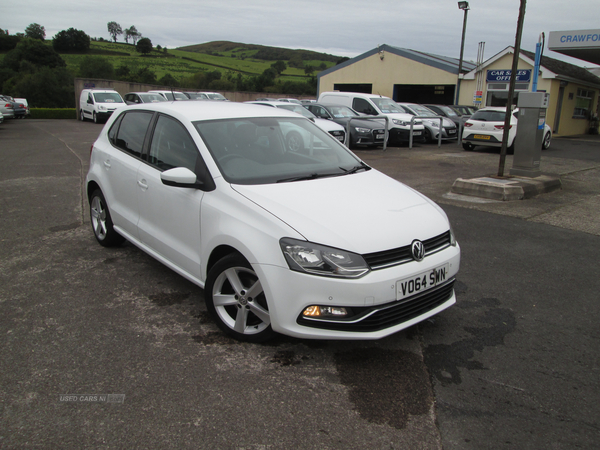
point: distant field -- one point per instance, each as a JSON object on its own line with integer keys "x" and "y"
{"x": 181, "y": 63}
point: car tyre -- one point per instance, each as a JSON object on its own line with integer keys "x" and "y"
{"x": 546, "y": 141}
{"x": 81, "y": 116}
{"x": 101, "y": 221}
{"x": 236, "y": 301}
{"x": 468, "y": 146}
{"x": 294, "y": 142}
{"x": 428, "y": 136}
{"x": 95, "y": 118}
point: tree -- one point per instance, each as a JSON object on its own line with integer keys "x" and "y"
{"x": 144, "y": 75}
{"x": 144, "y": 46}
{"x": 279, "y": 67}
{"x": 114, "y": 29}
{"x": 96, "y": 67}
{"x": 168, "y": 80}
{"x": 308, "y": 69}
{"x": 71, "y": 40}
{"x": 35, "y": 52}
{"x": 35, "y": 31}
{"x": 131, "y": 33}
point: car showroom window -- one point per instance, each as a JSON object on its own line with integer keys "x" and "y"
{"x": 172, "y": 146}
{"x": 583, "y": 103}
{"x": 132, "y": 131}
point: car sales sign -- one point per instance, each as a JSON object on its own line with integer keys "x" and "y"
{"x": 504, "y": 75}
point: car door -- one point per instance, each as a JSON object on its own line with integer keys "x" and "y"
{"x": 127, "y": 136}
{"x": 88, "y": 107}
{"x": 169, "y": 221}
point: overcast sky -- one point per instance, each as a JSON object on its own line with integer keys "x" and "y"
{"x": 339, "y": 27}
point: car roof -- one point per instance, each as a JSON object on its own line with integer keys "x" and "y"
{"x": 193, "y": 111}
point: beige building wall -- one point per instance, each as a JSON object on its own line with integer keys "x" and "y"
{"x": 567, "y": 124}
{"x": 384, "y": 73}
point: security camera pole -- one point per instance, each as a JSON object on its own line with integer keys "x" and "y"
{"x": 511, "y": 87}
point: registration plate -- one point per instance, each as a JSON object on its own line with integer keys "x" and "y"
{"x": 482, "y": 136}
{"x": 451, "y": 131}
{"x": 422, "y": 282}
{"x": 416, "y": 133}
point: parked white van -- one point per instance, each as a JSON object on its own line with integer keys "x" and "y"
{"x": 377, "y": 105}
{"x": 98, "y": 104}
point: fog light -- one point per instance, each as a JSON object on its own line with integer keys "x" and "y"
{"x": 324, "y": 311}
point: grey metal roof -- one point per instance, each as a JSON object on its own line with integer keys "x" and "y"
{"x": 439, "y": 62}
{"x": 565, "y": 69}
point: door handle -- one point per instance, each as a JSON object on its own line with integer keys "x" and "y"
{"x": 143, "y": 184}
{"x": 107, "y": 163}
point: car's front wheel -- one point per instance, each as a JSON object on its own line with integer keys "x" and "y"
{"x": 546, "y": 141}
{"x": 236, "y": 300}
{"x": 101, "y": 221}
{"x": 81, "y": 116}
{"x": 95, "y": 118}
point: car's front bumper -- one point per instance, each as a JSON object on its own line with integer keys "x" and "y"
{"x": 372, "y": 299}
{"x": 401, "y": 135}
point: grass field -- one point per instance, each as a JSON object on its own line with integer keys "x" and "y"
{"x": 181, "y": 63}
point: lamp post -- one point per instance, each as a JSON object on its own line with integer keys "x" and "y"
{"x": 465, "y": 7}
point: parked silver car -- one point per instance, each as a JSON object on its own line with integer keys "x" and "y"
{"x": 432, "y": 126}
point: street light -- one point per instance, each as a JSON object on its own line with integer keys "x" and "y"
{"x": 465, "y": 7}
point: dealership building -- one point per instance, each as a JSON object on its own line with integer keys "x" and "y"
{"x": 412, "y": 76}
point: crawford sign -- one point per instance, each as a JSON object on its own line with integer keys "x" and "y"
{"x": 523, "y": 75}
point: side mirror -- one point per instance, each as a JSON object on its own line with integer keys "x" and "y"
{"x": 180, "y": 177}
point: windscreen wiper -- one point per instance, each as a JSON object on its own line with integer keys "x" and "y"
{"x": 361, "y": 166}
{"x": 312, "y": 176}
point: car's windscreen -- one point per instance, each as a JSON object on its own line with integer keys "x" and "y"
{"x": 107, "y": 97}
{"x": 278, "y": 149}
{"x": 423, "y": 111}
{"x": 449, "y": 111}
{"x": 152, "y": 98}
{"x": 298, "y": 109}
{"x": 387, "y": 106}
{"x": 489, "y": 116}
{"x": 342, "y": 111}
{"x": 216, "y": 97}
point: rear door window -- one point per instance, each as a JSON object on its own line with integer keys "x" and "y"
{"x": 132, "y": 132}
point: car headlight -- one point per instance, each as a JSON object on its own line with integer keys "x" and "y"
{"x": 316, "y": 259}
{"x": 452, "y": 237}
{"x": 400, "y": 122}
{"x": 101, "y": 107}
{"x": 434, "y": 124}
{"x": 362, "y": 130}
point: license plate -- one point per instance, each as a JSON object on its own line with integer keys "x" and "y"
{"x": 482, "y": 136}
{"x": 416, "y": 133}
{"x": 379, "y": 136}
{"x": 421, "y": 282}
{"x": 451, "y": 131}
{"x": 340, "y": 138}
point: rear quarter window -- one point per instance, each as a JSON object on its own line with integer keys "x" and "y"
{"x": 129, "y": 131}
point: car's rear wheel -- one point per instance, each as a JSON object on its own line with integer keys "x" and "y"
{"x": 236, "y": 300}
{"x": 468, "y": 146}
{"x": 101, "y": 221}
{"x": 546, "y": 141}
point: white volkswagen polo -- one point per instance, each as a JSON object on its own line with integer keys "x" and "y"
{"x": 308, "y": 242}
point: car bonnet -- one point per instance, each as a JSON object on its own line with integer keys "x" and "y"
{"x": 363, "y": 212}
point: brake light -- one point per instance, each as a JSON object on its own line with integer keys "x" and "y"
{"x": 501, "y": 127}
{"x": 467, "y": 124}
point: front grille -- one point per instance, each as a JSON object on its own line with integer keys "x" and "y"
{"x": 338, "y": 134}
{"x": 385, "y": 316}
{"x": 401, "y": 255}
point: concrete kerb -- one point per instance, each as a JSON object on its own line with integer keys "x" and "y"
{"x": 506, "y": 188}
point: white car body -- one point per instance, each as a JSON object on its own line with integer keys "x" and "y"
{"x": 99, "y": 104}
{"x": 195, "y": 229}
{"x": 490, "y": 132}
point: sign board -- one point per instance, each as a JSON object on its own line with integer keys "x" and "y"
{"x": 574, "y": 39}
{"x": 89, "y": 85}
{"x": 523, "y": 75}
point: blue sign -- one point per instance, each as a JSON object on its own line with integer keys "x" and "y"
{"x": 504, "y": 75}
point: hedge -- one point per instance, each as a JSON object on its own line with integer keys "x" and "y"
{"x": 53, "y": 113}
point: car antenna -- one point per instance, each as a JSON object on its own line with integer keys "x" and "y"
{"x": 172, "y": 93}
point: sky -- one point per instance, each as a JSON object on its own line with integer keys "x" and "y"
{"x": 338, "y": 27}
